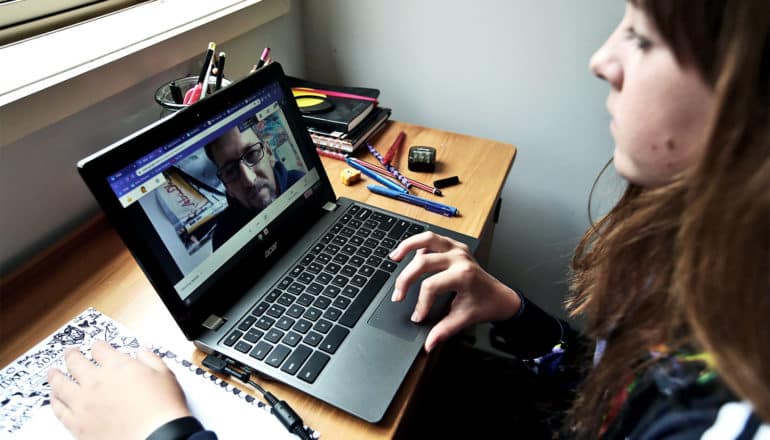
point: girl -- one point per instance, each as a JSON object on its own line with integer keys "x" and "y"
{"x": 675, "y": 280}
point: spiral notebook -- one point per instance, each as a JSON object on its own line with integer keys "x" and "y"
{"x": 25, "y": 410}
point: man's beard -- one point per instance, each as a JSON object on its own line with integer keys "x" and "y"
{"x": 261, "y": 197}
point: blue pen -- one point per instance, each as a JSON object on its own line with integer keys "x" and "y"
{"x": 387, "y": 182}
{"x": 439, "y": 208}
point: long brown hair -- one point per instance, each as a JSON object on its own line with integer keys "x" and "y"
{"x": 688, "y": 264}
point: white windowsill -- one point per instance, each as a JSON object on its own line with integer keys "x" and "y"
{"x": 64, "y": 71}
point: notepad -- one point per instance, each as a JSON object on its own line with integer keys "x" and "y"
{"x": 25, "y": 410}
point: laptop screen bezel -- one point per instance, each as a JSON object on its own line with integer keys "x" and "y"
{"x": 242, "y": 270}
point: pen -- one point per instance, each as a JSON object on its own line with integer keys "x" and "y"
{"x": 176, "y": 93}
{"x": 207, "y": 73}
{"x": 335, "y": 94}
{"x": 330, "y": 154}
{"x": 385, "y": 172}
{"x": 220, "y": 70}
{"x": 445, "y": 210}
{"x": 394, "y": 148}
{"x": 263, "y": 57}
{"x": 389, "y": 167}
{"x": 194, "y": 94}
{"x": 388, "y": 183}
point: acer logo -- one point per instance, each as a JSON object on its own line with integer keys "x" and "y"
{"x": 271, "y": 249}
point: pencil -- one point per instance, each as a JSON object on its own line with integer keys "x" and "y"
{"x": 412, "y": 182}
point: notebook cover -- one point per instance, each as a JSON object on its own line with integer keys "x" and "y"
{"x": 346, "y": 113}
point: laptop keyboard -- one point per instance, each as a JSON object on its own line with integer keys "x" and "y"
{"x": 301, "y": 323}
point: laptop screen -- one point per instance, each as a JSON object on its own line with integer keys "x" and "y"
{"x": 217, "y": 186}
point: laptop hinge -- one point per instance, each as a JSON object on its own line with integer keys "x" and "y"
{"x": 213, "y": 322}
{"x": 329, "y": 206}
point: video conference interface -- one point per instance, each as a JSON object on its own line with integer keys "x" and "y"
{"x": 218, "y": 186}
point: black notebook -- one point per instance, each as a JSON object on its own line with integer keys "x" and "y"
{"x": 334, "y": 114}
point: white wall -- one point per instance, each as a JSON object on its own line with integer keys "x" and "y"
{"x": 41, "y": 196}
{"x": 511, "y": 70}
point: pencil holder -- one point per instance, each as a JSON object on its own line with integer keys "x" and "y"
{"x": 164, "y": 96}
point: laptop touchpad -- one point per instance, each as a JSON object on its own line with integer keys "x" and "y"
{"x": 395, "y": 317}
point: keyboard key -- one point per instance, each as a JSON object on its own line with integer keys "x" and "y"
{"x": 322, "y": 302}
{"x": 359, "y": 305}
{"x": 265, "y": 322}
{"x": 341, "y": 302}
{"x": 324, "y": 278}
{"x": 253, "y": 335}
{"x": 303, "y": 325}
{"x": 296, "y": 271}
{"x": 314, "y": 288}
{"x": 389, "y": 243}
{"x": 260, "y": 309}
{"x": 286, "y": 299}
{"x": 336, "y": 228}
{"x": 345, "y": 218}
{"x": 295, "y": 311}
{"x": 340, "y": 281}
{"x": 378, "y": 234}
{"x": 349, "y": 249}
{"x": 274, "y": 335}
{"x": 415, "y": 229}
{"x": 312, "y": 313}
{"x": 322, "y": 326}
{"x": 327, "y": 238}
{"x": 232, "y": 337}
{"x": 296, "y": 288}
{"x": 353, "y": 209}
{"x": 273, "y": 295}
{"x": 356, "y": 261}
{"x": 388, "y": 265}
{"x": 277, "y": 356}
{"x": 285, "y": 323}
{"x": 350, "y": 291}
{"x": 381, "y": 252}
{"x": 276, "y": 310}
{"x": 340, "y": 258}
{"x": 331, "y": 291}
{"x": 291, "y": 339}
{"x": 332, "y": 249}
{"x": 306, "y": 260}
{"x": 371, "y": 243}
{"x": 332, "y": 341}
{"x": 358, "y": 280}
{"x": 364, "y": 251}
{"x": 243, "y": 347}
{"x": 366, "y": 270}
{"x": 315, "y": 267}
{"x": 370, "y": 224}
{"x": 332, "y": 267}
{"x": 355, "y": 224}
{"x": 374, "y": 261}
{"x": 285, "y": 282}
{"x": 348, "y": 271}
{"x": 332, "y": 314}
{"x": 323, "y": 258}
{"x": 363, "y": 213}
{"x": 296, "y": 359}
{"x": 305, "y": 299}
{"x": 305, "y": 278}
{"x": 339, "y": 240}
{"x": 317, "y": 248}
{"x": 261, "y": 350}
{"x": 312, "y": 339}
{"x": 398, "y": 229}
{"x": 313, "y": 367}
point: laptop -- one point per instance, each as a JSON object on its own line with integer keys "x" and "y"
{"x": 227, "y": 209}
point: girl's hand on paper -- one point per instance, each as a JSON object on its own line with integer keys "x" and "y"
{"x": 122, "y": 397}
{"x": 479, "y": 296}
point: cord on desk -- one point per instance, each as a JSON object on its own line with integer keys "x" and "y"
{"x": 279, "y": 408}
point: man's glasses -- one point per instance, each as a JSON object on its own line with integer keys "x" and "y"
{"x": 231, "y": 171}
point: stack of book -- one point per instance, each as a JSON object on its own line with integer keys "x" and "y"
{"x": 339, "y": 119}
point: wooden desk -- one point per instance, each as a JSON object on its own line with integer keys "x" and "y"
{"x": 92, "y": 268}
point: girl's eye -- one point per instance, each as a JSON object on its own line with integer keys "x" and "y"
{"x": 641, "y": 42}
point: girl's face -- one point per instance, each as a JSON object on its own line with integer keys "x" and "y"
{"x": 659, "y": 108}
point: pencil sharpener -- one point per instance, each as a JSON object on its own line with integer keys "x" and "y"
{"x": 350, "y": 176}
{"x": 422, "y": 159}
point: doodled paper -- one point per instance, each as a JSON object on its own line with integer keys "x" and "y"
{"x": 25, "y": 392}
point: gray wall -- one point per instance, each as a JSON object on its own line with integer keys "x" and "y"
{"x": 41, "y": 196}
{"x": 511, "y": 70}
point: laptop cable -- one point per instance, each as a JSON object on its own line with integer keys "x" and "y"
{"x": 279, "y": 408}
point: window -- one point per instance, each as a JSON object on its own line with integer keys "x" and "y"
{"x": 21, "y": 19}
